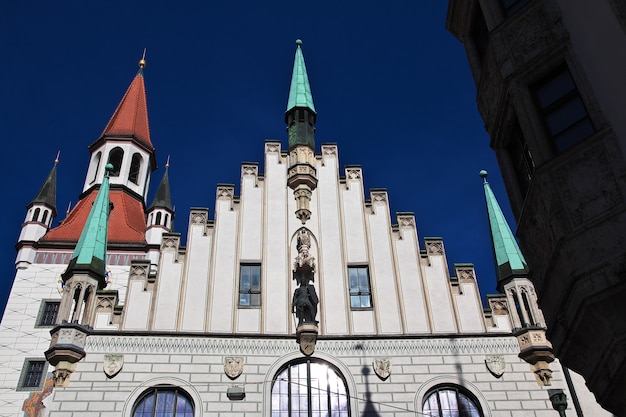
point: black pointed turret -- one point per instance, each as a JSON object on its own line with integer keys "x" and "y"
{"x": 47, "y": 194}
{"x": 162, "y": 197}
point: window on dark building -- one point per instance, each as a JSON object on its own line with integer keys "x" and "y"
{"x": 250, "y": 285}
{"x": 562, "y": 110}
{"x": 451, "y": 401}
{"x": 360, "y": 290}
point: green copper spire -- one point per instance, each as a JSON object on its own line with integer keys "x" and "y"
{"x": 508, "y": 257}
{"x": 300, "y": 91}
{"x": 300, "y": 115}
{"x": 90, "y": 252}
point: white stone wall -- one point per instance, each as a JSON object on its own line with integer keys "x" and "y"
{"x": 196, "y": 364}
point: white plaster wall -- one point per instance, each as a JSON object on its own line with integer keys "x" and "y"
{"x": 276, "y": 301}
{"x": 32, "y": 231}
{"x": 586, "y": 398}
{"x": 382, "y": 272}
{"x": 196, "y": 278}
{"x": 137, "y": 307}
{"x": 411, "y": 291}
{"x": 352, "y": 198}
{"x": 469, "y": 308}
{"x": 168, "y": 292}
{"x": 225, "y": 269}
{"x": 333, "y": 269}
{"x": 438, "y": 292}
{"x": 251, "y": 209}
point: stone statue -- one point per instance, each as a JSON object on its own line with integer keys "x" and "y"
{"x": 305, "y": 301}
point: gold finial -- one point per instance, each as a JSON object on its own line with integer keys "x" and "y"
{"x": 142, "y": 61}
{"x": 69, "y": 207}
{"x": 167, "y": 164}
{"x": 56, "y": 160}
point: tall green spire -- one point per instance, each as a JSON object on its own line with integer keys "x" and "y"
{"x": 90, "y": 252}
{"x": 508, "y": 256}
{"x": 300, "y": 115}
{"x": 300, "y": 91}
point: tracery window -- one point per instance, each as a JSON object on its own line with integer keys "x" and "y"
{"x": 309, "y": 389}
{"x": 450, "y": 401}
{"x": 164, "y": 401}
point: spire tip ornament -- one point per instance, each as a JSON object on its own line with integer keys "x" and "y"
{"x": 142, "y": 61}
{"x": 483, "y": 174}
{"x": 56, "y": 160}
{"x": 298, "y": 42}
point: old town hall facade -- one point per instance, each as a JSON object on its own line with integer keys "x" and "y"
{"x": 298, "y": 297}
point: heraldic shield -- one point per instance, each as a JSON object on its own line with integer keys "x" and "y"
{"x": 233, "y": 366}
{"x": 382, "y": 367}
{"x": 495, "y": 365}
{"x": 113, "y": 364}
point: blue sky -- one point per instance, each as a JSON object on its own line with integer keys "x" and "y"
{"x": 391, "y": 87}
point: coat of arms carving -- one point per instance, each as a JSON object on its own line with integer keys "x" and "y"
{"x": 382, "y": 368}
{"x": 113, "y": 364}
{"x": 233, "y": 366}
{"x": 495, "y": 365}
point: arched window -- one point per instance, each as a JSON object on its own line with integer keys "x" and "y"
{"x": 309, "y": 388}
{"x": 529, "y": 312}
{"x": 115, "y": 158}
{"x": 158, "y": 218}
{"x": 36, "y": 215}
{"x": 451, "y": 401}
{"x": 164, "y": 401}
{"x": 135, "y": 167}
{"x": 167, "y": 218}
{"x": 44, "y": 219}
{"x": 96, "y": 164}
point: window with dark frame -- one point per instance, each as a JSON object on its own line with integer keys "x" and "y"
{"x": 250, "y": 285}
{"x": 510, "y": 7}
{"x": 562, "y": 109}
{"x": 164, "y": 401}
{"x": 48, "y": 313}
{"x": 32, "y": 374}
{"x": 360, "y": 290}
{"x": 450, "y": 401}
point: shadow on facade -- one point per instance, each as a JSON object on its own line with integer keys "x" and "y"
{"x": 369, "y": 410}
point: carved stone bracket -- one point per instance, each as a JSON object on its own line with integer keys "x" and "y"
{"x": 67, "y": 346}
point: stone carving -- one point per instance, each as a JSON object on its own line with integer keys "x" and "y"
{"x": 272, "y": 147}
{"x": 307, "y": 342}
{"x": 434, "y": 248}
{"x": 465, "y": 274}
{"x": 233, "y": 366}
{"x": 406, "y": 221}
{"x": 198, "y": 218}
{"x": 499, "y": 308}
{"x": 225, "y": 193}
{"x": 379, "y": 197}
{"x": 113, "y": 364}
{"x": 304, "y": 258}
{"x": 353, "y": 173}
{"x": 138, "y": 272}
{"x": 495, "y": 365}
{"x": 382, "y": 368}
{"x": 169, "y": 243}
{"x": 248, "y": 170}
{"x": 305, "y": 300}
{"x": 329, "y": 150}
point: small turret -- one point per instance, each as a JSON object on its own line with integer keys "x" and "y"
{"x": 512, "y": 273}
{"x": 39, "y": 215}
{"x": 161, "y": 212}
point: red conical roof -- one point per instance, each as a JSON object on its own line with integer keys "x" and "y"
{"x": 131, "y": 116}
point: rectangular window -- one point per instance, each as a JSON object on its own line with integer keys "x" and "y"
{"x": 32, "y": 375}
{"x": 250, "y": 285}
{"x": 360, "y": 292}
{"x": 512, "y": 6}
{"x": 48, "y": 313}
{"x": 562, "y": 110}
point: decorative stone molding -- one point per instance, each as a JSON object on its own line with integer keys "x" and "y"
{"x": 354, "y": 174}
{"x": 225, "y": 346}
{"x": 495, "y": 365}
{"x": 67, "y": 346}
{"x": 406, "y": 221}
{"x": 225, "y": 192}
{"x": 378, "y": 196}
{"x": 434, "y": 247}
{"x": 249, "y": 170}
{"x": 272, "y": 147}
{"x": 170, "y": 243}
{"x": 465, "y": 273}
{"x": 329, "y": 150}
{"x": 498, "y": 306}
{"x": 198, "y": 217}
{"x": 113, "y": 364}
{"x": 233, "y": 366}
